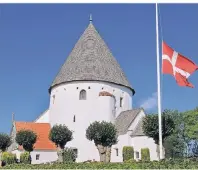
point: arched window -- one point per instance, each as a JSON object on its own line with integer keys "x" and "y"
{"x": 83, "y": 95}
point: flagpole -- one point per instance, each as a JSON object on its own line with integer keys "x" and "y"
{"x": 158, "y": 86}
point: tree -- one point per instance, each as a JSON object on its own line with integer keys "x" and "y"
{"x": 191, "y": 125}
{"x": 175, "y": 144}
{"x": 190, "y": 131}
{"x": 60, "y": 135}
{"x": 151, "y": 126}
{"x": 27, "y": 139}
{"x": 5, "y": 142}
{"x": 104, "y": 135}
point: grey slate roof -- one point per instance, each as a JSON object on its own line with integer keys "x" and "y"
{"x": 124, "y": 120}
{"x": 138, "y": 130}
{"x": 91, "y": 59}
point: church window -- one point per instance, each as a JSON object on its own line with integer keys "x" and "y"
{"x": 37, "y": 156}
{"x": 53, "y": 99}
{"x": 116, "y": 151}
{"x": 121, "y": 101}
{"x": 74, "y": 118}
{"x": 102, "y": 88}
{"x": 75, "y": 151}
{"x": 137, "y": 155}
{"x": 83, "y": 95}
{"x": 89, "y": 87}
{"x": 76, "y": 87}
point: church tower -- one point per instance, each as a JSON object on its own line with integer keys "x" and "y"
{"x": 90, "y": 86}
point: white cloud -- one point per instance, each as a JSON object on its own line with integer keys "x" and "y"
{"x": 150, "y": 102}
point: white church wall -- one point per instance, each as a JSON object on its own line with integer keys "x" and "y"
{"x": 44, "y": 156}
{"x": 66, "y": 108}
{"x": 43, "y": 118}
{"x": 116, "y": 151}
{"x": 17, "y": 152}
{"x": 140, "y": 142}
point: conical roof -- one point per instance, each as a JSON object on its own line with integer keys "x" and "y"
{"x": 91, "y": 60}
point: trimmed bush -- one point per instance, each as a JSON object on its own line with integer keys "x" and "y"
{"x": 25, "y": 158}
{"x": 128, "y": 153}
{"x": 145, "y": 154}
{"x": 69, "y": 155}
{"x": 8, "y": 158}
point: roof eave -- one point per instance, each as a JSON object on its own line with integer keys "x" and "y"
{"x": 55, "y": 85}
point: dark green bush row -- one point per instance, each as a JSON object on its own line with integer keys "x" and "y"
{"x": 166, "y": 164}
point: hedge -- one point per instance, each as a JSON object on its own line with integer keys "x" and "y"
{"x": 69, "y": 155}
{"x": 145, "y": 154}
{"x": 25, "y": 158}
{"x": 128, "y": 153}
{"x": 167, "y": 164}
{"x": 8, "y": 158}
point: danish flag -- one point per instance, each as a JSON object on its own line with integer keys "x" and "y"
{"x": 177, "y": 65}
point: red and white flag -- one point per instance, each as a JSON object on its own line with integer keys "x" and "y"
{"x": 177, "y": 65}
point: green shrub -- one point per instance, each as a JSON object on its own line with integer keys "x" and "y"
{"x": 25, "y": 158}
{"x": 164, "y": 164}
{"x": 69, "y": 155}
{"x": 128, "y": 153}
{"x": 145, "y": 154}
{"x": 8, "y": 158}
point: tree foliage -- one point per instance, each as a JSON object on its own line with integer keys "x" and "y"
{"x": 104, "y": 135}
{"x": 27, "y": 139}
{"x": 5, "y": 141}
{"x": 60, "y": 135}
{"x": 191, "y": 125}
{"x": 175, "y": 144}
{"x": 151, "y": 126}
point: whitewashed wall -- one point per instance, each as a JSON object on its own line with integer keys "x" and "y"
{"x": 45, "y": 156}
{"x": 145, "y": 142}
{"x": 138, "y": 142}
{"x": 65, "y": 104}
{"x": 43, "y": 118}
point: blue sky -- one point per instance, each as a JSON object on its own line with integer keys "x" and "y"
{"x": 36, "y": 39}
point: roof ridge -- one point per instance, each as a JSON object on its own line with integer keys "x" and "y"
{"x": 30, "y": 122}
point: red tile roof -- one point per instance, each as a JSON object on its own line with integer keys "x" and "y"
{"x": 42, "y": 130}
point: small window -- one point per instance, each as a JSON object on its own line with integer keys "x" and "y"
{"x": 74, "y": 118}
{"x": 83, "y": 95}
{"x": 75, "y": 151}
{"x": 121, "y": 101}
{"x": 116, "y": 151}
{"x": 137, "y": 155}
{"x": 37, "y": 156}
{"x": 53, "y": 98}
{"x": 89, "y": 87}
